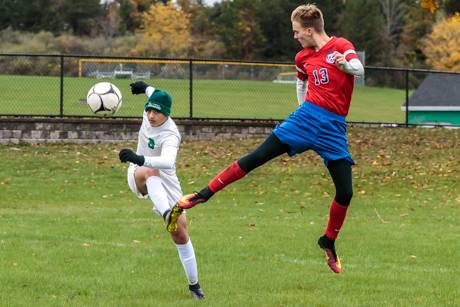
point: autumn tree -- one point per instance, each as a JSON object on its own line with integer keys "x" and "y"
{"x": 448, "y": 7}
{"x": 165, "y": 31}
{"x": 441, "y": 45}
{"x": 430, "y": 5}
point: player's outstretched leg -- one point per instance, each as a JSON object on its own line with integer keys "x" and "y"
{"x": 333, "y": 261}
{"x": 269, "y": 149}
{"x": 171, "y": 217}
{"x": 230, "y": 174}
{"x": 196, "y": 291}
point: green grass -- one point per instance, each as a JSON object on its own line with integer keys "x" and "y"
{"x": 211, "y": 98}
{"x": 72, "y": 234}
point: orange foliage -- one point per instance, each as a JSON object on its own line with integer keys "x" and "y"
{"x": 441, "y": 46}
{"x": 165, "y": 31}
{"x": 431, "y": 5}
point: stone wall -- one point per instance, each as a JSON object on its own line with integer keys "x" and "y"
{"x": 95, "y": 130}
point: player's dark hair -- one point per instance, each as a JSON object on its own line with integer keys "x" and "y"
{"x": 309, "y": 16}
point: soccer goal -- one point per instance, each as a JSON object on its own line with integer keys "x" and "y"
{"x": 107, "y": 68}
{"x": 286, "y": 77}
{"x": 102, "y": 68}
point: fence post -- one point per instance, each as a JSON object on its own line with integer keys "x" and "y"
{"x": 190, "y": 69}
{"x": 407, "y": 97}
{"x": 61, "y": 94}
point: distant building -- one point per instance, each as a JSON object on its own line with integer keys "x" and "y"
{"x": 436, "y": 100}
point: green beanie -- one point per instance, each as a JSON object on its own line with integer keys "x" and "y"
{"x": 160, "y": 101}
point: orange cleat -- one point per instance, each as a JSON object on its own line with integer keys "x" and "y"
{"x": 191, "y": 200}
{"x": 333, "y": 261}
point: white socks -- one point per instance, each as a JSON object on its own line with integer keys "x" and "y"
{"x": 187, "y": 257}
{"x": 157, "y": 194}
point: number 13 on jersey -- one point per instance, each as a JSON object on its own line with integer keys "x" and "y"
{"x": 321, "y": 76}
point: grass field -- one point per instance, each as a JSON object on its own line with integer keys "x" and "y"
{"x": 72, "y": 234}
{"x": 211, "y": 98}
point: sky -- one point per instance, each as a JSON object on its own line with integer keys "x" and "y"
{"x": 211, "y": 2}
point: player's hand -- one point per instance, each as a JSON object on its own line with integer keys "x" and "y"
{"x": 138, "y": 87}
{"x": 339, "y": 58}
{"x": 127, "y": 155}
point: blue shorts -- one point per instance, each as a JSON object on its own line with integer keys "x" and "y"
{"x": 313, "y": 127}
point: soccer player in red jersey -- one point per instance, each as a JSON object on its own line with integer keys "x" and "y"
{"x": 330, "y": 65}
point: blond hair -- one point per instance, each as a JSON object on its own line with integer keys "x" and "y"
{"x": 309, "y": 16}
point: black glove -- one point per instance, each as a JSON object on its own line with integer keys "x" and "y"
{"x": 138, "y": 87}
{"x": 127, "y": 155}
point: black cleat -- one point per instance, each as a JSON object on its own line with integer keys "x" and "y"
{"x": 196, "y": 291}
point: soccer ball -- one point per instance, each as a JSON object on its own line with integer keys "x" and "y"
{"x": 104, "y": 99}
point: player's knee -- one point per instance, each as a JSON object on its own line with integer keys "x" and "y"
{"x": 344, "y": 197}
{"x": 151, "y": 172}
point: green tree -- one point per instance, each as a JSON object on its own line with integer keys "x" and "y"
{"x": 111, "y": 22}
{"x": 237, "y": 26}
{"x": 82, "y": 17}
{"x": 452, "y": 7}
{"x": 275, "y": 21}
{"x": 31, "y": 15}
{"x": 332, "y": 13}
{"x": 393, "y": 13}
{"x": 204, "y": 42}
{"x": 363, "y": 25}
{"x": 418, "y": 24}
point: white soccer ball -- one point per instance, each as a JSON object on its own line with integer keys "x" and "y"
{"x": 104, "y": 99}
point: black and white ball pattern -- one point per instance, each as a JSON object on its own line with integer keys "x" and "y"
{"x": 104, "y": 99}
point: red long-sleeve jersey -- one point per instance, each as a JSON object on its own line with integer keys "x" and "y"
{"x": 328, "y": 86}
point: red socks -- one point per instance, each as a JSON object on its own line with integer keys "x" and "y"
{"x": 337, "y": 214}
{"x": 225, "y": 177}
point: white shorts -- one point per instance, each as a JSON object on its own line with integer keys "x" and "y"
{"x": 170, "y": 183}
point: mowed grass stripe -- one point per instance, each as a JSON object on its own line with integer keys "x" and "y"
{"x": 211, "y": 98}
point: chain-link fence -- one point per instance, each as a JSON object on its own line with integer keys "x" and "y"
{"x": 56, "y": 86}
